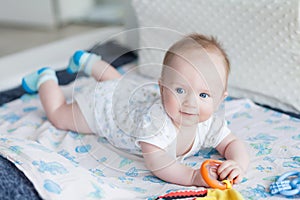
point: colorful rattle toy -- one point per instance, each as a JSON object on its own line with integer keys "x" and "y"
{"x": 213, "y": 183}
{"x": 288, "y": 184}
{"x": 220, "y": 188}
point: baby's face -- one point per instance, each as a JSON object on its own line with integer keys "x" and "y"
{"x": 192, "y": 87}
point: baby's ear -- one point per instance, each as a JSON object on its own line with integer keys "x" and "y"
{"x": 160, "y": 85}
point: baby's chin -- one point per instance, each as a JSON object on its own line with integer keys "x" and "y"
{"x": 186, "y": 122}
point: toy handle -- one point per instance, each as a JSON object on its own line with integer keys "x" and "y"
{"x": 205, "y": 172}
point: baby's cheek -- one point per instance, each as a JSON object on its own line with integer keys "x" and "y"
{"x": 170, "y": 105}
{"x": 205, "y": 112}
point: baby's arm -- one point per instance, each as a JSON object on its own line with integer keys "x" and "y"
{"x": 237, "y": 159}
{"x": 168, "y": 169}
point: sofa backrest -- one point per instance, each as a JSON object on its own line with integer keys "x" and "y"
{"x": 261, "y": 38}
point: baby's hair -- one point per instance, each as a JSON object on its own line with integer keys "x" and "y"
{"x": 209, "y": 43}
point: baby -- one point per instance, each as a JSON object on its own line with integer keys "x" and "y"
{"x": 163, "y": 126}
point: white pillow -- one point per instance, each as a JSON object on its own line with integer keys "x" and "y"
{"x": 261, "y": 38}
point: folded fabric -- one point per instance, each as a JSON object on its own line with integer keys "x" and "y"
{"x": 217, "y": 194}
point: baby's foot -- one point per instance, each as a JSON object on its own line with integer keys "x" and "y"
{"x": 32, "y": 82}
{"x": 82, "y": 60}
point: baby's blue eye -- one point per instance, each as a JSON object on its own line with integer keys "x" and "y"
{"x": 203, "y": 95}
{"x": 180, "y": 90}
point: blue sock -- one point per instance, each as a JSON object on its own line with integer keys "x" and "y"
{"x": 74, "y": 65}
{"x": 32, "y": 82}
{"x": 82, "y": 61}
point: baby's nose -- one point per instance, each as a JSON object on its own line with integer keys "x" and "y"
{"x": 190, "y": 100}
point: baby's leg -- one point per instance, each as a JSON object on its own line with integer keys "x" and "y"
{"x": 92, "y": 65}
{"x": 102, "y": 71}
{"x": 60, "y": 114}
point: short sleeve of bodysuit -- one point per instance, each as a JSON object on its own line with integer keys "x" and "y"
{"x": 163, "y": 137}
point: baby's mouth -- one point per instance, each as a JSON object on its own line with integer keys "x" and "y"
{"x": 187, "y": 113}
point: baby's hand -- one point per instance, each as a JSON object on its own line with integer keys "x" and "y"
{"x": 230, "y": 170}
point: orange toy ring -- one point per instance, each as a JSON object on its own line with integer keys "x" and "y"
{"x": 225, "y": 184}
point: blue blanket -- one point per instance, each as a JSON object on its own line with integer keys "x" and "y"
{"x": 14, "y": 184}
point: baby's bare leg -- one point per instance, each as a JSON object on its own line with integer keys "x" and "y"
{"x": 102, "y": 71}
{"x": 60, "y": 114}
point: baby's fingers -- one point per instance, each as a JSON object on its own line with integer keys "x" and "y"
{"x": 235, "y": 175}
{"x": 224, "y": 169}
{"x": 224, "y": 173}
{"x": 237, "y": 179}
{"x": 230, "y": 170}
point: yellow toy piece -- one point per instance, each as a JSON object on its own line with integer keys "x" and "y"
{"x": 217, "y": 194}
{"x": 227, "y": 183}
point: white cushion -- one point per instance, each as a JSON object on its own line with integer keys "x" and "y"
{"x": 262, "y": 40}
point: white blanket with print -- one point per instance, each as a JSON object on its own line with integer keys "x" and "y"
{"x": 68, "y": 165}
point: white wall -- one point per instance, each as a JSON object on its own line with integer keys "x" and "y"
{"x": 27, "y": 12}
{"x": 46, "y": 13}
{"x": 69, "y": 10}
